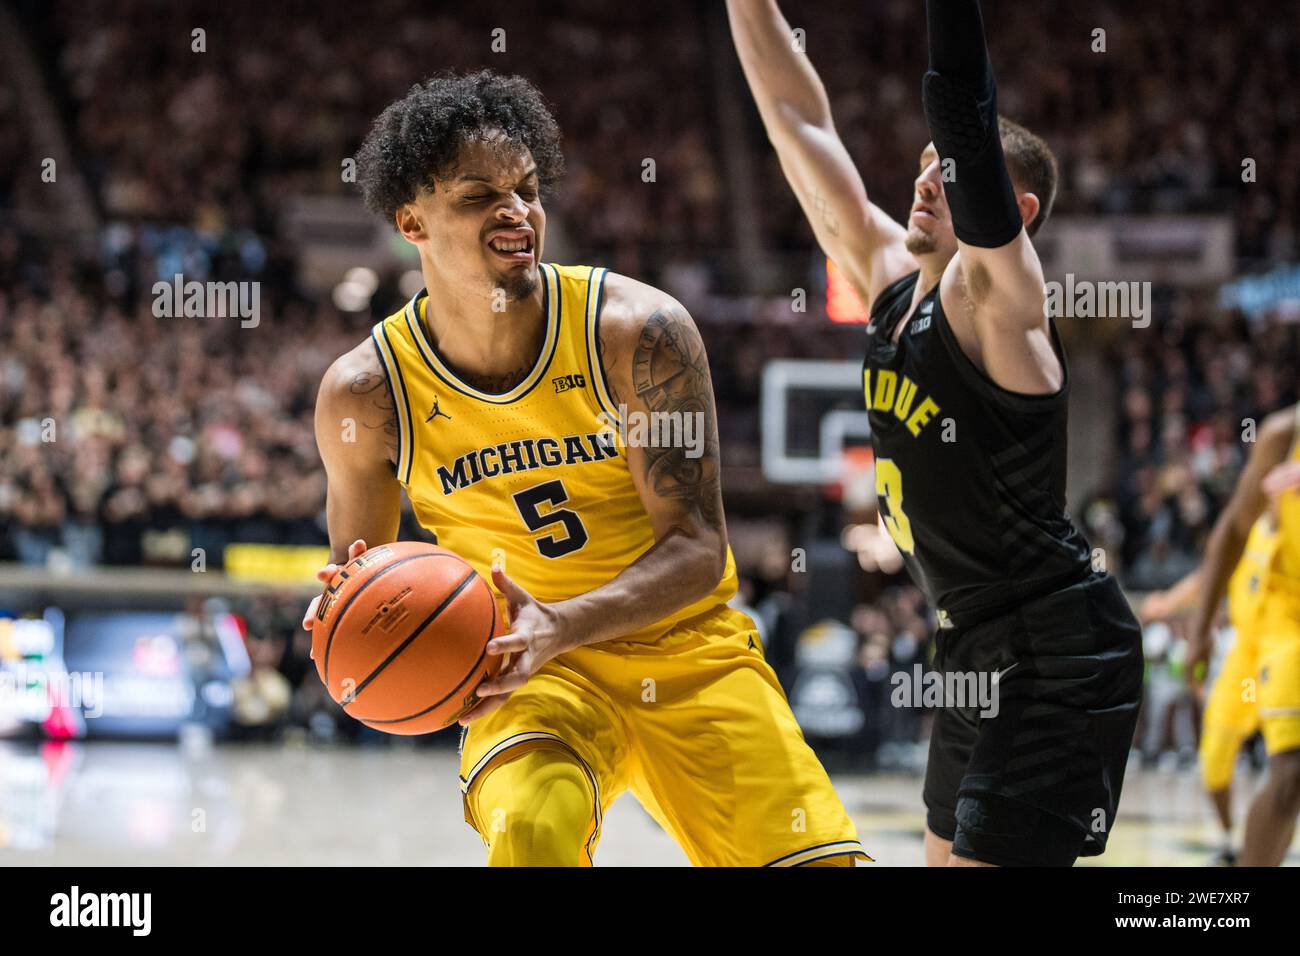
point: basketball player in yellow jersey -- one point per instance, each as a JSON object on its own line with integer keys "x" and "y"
{"x": 1271, "y": 821}
{"x": 1231, "y": 711}
{"x": 555, "y": 426}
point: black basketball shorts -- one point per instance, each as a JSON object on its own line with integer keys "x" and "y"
{"x": 1035, "y": 778}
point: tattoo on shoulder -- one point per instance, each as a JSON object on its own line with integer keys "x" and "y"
{"x": 380, "y": 412}
{"x": 670, "y": 374}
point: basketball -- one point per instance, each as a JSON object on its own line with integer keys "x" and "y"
{"x": 400, "y": 639}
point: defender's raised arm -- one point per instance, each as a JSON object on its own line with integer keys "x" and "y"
{"x": 866, "y": 245}
{"x": 998, "y": 279}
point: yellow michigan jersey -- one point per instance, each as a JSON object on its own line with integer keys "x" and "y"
{"x": 1231, "y": 712}
{"x": 1279, "y": 627}
{"x": 686, "y": 714}
{"x": 536, "y": 478}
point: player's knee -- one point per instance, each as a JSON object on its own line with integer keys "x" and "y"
{"x": 536, "y": 842}
{"x": 537, "y": 810}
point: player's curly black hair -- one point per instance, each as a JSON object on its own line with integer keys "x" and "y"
{"x": 417, "y": 138}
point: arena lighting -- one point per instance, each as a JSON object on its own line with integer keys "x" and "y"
{"x": 363, "y": 277}
{"x": 349, "y": 296}
{"x": 842, "y": 303}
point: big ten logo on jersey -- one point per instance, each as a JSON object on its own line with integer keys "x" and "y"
{"x": 356, "y": 565}
{"x": 891, "y": 392}
{"x": 563, "y": 383}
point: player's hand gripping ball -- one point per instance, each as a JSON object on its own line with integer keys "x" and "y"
{"x": 400, "y": 633}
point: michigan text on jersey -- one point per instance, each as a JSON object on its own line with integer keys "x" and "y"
{"x": 507, "y": 458}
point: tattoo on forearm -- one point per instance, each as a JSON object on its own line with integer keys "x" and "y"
{"x": 826, "y": 212}
{"x": 381, "y": 413}
{"x": 670, "y": 373}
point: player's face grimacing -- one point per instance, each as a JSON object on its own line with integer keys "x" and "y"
{"x": 485, "y": 218}
{"x": 929, "y": 226}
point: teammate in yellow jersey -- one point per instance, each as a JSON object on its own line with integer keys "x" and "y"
{"x": 555, "y": 426}
{"x": 1269, "y": 473}
{"x": 1231, "y": 713}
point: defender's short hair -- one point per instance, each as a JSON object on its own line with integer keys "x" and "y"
{"x": 1031, "y": 165}
{"x": 416, "y": 139}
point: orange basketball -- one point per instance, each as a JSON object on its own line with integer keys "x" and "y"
{"x": 400, "y": 637}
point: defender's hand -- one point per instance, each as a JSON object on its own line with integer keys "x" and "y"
{"x": 324, "y": 575}
{"x": 535, "y": 637}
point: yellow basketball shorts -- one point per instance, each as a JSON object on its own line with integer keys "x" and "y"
{"x": 694, "y": 724}
{"x": 1231, "y": 712}
{"x": 1279, "y": 671}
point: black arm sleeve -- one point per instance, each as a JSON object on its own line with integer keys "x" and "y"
{"x": 960, "y": 101}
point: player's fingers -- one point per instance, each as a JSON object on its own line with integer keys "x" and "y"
{"x": 514, "y": 593}
{"x": 505, "y": 682}
{"x": 484, "y": 707}
{"x": 506, "y": 643}
{"x": 356, "y": 548}
{"x": 326, "y": 573}
{"x": 310, "y": 616}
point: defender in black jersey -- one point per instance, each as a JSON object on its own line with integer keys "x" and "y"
{"x": 966, "y": 385}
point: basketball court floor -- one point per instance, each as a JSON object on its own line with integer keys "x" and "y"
{"x": 157, "y": 804}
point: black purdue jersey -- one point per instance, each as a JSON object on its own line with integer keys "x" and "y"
{"x": 970, "y": 477}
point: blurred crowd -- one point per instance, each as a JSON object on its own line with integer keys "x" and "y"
{"x": 264, "y": 111}
{"x": 1141, "y": 120}
{"x": 130, "y": 439}
{"x": 1188, "y": 402}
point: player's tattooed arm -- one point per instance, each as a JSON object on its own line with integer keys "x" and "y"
{"x": 377, "y": 409}
{"x": 657, "y": 374}
{"x": 670, "y": 381}
{"x": 356, "y": 433}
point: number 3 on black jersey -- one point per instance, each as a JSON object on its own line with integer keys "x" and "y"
{"x": 889, "y": 487}
{"x": 551, "y": 492}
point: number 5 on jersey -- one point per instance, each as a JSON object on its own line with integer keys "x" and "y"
{"x": 552, "y": 493}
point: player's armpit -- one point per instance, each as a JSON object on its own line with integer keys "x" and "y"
{"x": 357, "y": 434}
{"x": 994, "y": 300}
